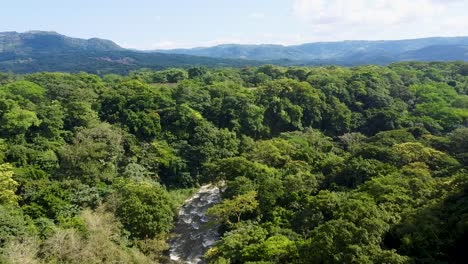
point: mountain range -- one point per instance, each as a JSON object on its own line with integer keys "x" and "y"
{"x": 49, "y": 51}
{"x": 343, "y": 52}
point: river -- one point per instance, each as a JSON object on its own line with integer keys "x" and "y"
{"x": 193, "y": 233}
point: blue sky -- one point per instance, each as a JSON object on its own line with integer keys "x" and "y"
{"x": 153, "y": 24}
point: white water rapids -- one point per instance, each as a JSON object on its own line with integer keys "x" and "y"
{"x": 193, "y": 232}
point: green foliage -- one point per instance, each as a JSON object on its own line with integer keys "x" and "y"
{"x": 320, "y": 165}
{"x": 235, "y": 208}
{"x": 17, "y": 121}
{"x": 144, "y": 209}
{"x": 45, "y": 198}
{"x": 27, "y": 90}
{"x": 437, "y": 161}
{"x": 93, "y": 155}
{"x": 439, "y": 226}
{"x": 12, "y": 224}
{"x": 290, "y": 105}
{"x": 458, "y": 144}
{"x": 356, "y": 171}
{"x": 235, "y": 244}
{"x": 7, "y": 185}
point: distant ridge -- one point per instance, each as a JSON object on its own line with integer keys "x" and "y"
{"x": 34, "y": 51}
{"x": 379, "y": 51}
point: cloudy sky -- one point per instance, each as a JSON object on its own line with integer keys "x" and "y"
{"x": 158, "y": 24}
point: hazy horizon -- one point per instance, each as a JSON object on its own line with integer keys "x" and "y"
{"x": 149, "y": 25}
{"x": 221, "y": 44}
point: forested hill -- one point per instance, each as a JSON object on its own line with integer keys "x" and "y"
{"x": 47, "y": 41}
{"x": 343, "y": 52}
{"x": 37, "y": 51}
{"x": 322, "y": 165}
{"x": 49, "y": 51}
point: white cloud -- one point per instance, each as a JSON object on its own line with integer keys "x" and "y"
{"x": 364, "y": 11}
{"x": 369, "y": 19}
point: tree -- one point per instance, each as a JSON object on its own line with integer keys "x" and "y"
{"x": 235, "y": 208}
{"x": 316, "y": 210}
{"x": 17, "y": 121}
{"x": 8, "y": 185}
{"x": 458, "y": 144}
{"x": 195, "y": 72}
{"x": 297, "y": 73}
{"x": 235, "y": 244}
{"x": 175, "y": 75}
{"x": 209, "y": 143}
{"x": 144, "y": 209}
{"x": 337, "y": 118}
{"x": 290, "y": 105}
{"x": 80, "y": 114}
{"x": 13, "y": 224}
{"x": 278, "y": 248}
{"x": 356, "y": 171}
{"x": 27, "y": 90}
{"x": 231, "y": 168}
{"x": 93, "y": 155}
{"x": 439, "y": 162}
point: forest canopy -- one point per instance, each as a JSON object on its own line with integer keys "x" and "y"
{"x": 322, "y": 164}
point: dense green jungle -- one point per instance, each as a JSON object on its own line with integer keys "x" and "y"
{"x": 327, "y": 164}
